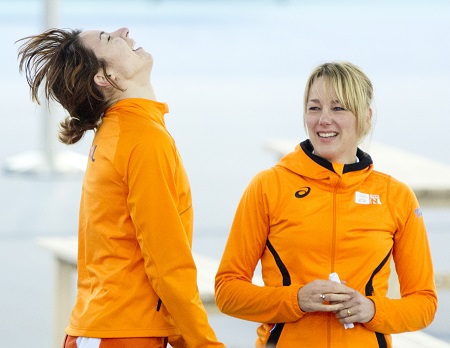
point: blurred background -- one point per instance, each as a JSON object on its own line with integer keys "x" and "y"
{"x": 233, "y": 75}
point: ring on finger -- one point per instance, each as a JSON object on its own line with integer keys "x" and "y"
{"x": 348, "y": 312}
{"x": 322, "y": 296}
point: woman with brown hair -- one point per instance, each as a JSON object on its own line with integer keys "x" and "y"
{"x": 136, "y": 274}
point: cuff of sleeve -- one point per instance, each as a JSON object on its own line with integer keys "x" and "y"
{"x": 295, "y": 303}
{"x": 377, "y": 320}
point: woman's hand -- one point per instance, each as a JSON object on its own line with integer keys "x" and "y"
{"x": 349, "y": 305}
{"x": 323, "y": 296}
{"x": 358, "y": 309}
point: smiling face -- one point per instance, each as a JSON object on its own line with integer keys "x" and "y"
{"x": 123, "y": 62}
{"x": 332, "y": 129}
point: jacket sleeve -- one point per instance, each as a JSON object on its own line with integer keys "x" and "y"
{"x": 235, "y": 293}
{"x": 166, "y": 247}
{"x": 417, "y": 306}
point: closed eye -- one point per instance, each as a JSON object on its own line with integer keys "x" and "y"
{"x": 103, "y": 33}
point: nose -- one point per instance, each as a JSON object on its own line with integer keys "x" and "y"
{"x": 122, "y": 32}
{"x": 325, "y": 118}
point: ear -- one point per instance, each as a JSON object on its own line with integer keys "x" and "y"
{"x": 100, "y": 80}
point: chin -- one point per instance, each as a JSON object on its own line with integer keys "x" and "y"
{"x": 328, "y": 155}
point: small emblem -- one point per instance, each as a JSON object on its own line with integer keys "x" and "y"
{"x": 418, "y": 212}
{"x": 303, "y": 192}
{"x": 366, "y": 198}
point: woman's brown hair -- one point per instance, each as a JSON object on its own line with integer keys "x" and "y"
{"x": 58, "y": 60}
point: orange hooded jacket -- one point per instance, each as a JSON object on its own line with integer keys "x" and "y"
{"x": 306, "y": 218}
{"x": 136, "y": 273}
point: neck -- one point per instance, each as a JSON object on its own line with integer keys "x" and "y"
{"x": 134, "y": 91}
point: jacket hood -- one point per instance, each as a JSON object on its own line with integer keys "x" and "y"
{"x": 304, "y": 162}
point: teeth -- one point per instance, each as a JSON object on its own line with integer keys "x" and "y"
{"x": 327, "y": 135}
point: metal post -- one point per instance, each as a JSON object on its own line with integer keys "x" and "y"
{"x": 51, "y": 15}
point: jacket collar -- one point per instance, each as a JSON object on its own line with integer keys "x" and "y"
{"x": 364, "y": 159}
{"x": 330, "y": 176}
{"x": 147, "y": 108}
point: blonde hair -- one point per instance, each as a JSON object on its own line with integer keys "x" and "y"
{"x": 352, "y": 87}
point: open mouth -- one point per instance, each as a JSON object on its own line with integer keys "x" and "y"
{"x": 327, "y": 134}
{"x": 132, "y": 45}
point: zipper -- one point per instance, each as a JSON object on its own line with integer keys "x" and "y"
{"x": 333, "y": 247}
{"x": 333, "y": 238}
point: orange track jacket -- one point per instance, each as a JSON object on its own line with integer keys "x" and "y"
{"x": 306, "y": 218}
{"x": 136, "y": 273}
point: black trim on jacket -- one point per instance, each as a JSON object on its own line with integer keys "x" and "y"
{"x": 278, "y": 328}
{"x": 276, "y": 331}
{"x": 369, "y": 292}
{"x": 364, "y": 158}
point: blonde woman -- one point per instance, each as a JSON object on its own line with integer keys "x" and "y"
{"x": 325, "y": 226}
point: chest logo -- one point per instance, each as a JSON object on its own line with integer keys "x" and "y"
{"x": 303, "y": 192}
{"x": 366, "y": 198}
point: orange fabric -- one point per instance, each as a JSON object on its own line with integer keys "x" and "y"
{"x": 136, "y": 273}
{"x": 136, "y": 342}
{"x": 306, "y": 218}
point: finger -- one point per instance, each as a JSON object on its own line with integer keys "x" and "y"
{"x": 337, "y": 298}
{"x": 336, "y": 308}
{"x": 345, "y": 313}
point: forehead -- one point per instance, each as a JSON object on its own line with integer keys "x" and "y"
{"x": 90, "y": 38}
{"x": 322, "y": 88}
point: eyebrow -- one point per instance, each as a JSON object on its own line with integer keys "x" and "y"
{"x": 318, "y": 101}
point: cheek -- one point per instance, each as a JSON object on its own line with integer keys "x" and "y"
{"x": 348, "y": 123}
{"x": 351, "y": 129}
{"x": 310, "y": 123}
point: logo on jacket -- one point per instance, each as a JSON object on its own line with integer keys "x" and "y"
{"x": 366, "y": 198}
{"x": 303, "y": 192}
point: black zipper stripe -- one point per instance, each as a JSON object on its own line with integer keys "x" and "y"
{"x": 381, "y": 340}
{"x": 274, "y": 335}
{"x": 369, "y": 285}
{"x": 369, "y": 292}
{"x": 278, "y": 328}
{"x": 284, "y": 272}
{"x": 158, "y": 306}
